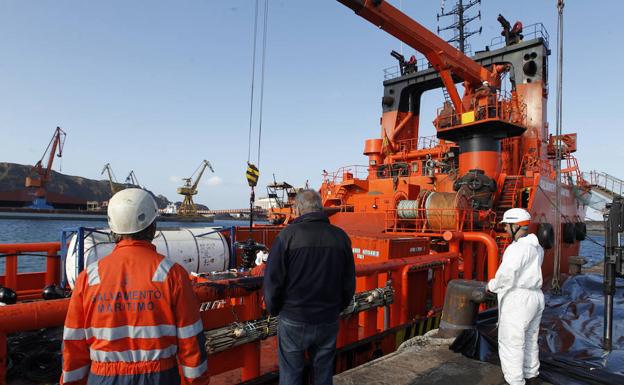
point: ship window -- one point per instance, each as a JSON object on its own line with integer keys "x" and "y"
{"x": 414, "y": 167}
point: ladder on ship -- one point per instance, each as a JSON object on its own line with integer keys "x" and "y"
{"x": 507, "y": 197}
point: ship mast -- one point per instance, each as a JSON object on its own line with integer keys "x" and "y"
{"x": 461, "y": 21}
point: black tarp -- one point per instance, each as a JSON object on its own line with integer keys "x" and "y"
{"x": 570, "y": 335}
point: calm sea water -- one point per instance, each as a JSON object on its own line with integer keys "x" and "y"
{"x": 25, "y": 231}
{"x": 22, "y": 231}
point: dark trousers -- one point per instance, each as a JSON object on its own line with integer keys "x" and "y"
{"x": 297, "y": 338}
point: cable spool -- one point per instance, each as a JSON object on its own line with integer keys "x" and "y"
{"x": 407, "y": 209}
{"x": 445, "y": 209}
{"x": 412, "y": 209}
{"x": 441, "y": 210}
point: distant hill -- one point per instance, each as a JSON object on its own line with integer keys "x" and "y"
{"x": 67, "y": 187}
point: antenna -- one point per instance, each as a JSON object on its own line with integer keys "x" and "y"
{"x": 460, "y": 23}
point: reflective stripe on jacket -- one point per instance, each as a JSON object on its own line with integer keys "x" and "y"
{"x": 133, "y": 314}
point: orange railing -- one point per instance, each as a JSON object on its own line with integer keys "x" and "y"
{"x": 500, "y": 106}
{"x": 241, "y": 302}
{"x": 346, "y": 172}
{"x": 570, "y": 172}
{"x": 420, "y": 143}
{"x": 29, "y": 285}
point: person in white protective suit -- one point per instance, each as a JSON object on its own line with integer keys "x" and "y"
{"x": 518, "y": 284}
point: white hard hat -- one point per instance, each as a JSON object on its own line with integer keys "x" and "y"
{"x": 518, "y": 216}
{"x": 131, "y": 210}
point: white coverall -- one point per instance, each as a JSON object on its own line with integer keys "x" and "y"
{"x": 518, "y": 283}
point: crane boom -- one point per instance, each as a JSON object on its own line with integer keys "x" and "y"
{"x": 132, "y": 179}
{"x": 445, "y": 58}
{"x": 58, "y": 140}
{"x": 203, "y": 166}
{"x": 187, "y": 207}
{"x": 111, "y": 179}
{"x": 38, "y": 176}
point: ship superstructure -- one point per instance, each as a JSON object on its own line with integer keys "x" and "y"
{"x": 421, "y": 212}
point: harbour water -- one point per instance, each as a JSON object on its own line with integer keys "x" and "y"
{"x": 27, "y": 231}
{"x": 24, "y": 231}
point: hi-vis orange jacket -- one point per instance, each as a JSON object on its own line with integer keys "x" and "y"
{"x": 133, "y": 319}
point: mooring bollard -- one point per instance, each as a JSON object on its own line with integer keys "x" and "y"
{"x": 461, "y": 305}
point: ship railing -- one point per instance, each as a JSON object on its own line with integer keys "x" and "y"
{"x": 241, "y": 308}
{"x": 437, "y": 220}
{"x": 420, "y": 143}
{"x": 394, "y": 71}
{"x": 19, "y": 257}
{"x": 531, "y": 31}
{"x": 570, "y": 172}
{"x": 356, "y": 171}
{"x": 499, "y": 106}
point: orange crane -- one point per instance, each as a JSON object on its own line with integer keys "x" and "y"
{"x": 38, "y": 176}
{"x": 476, "y": 122}
{"x": 446, "y": 59}
{"x": 188, "y": 208}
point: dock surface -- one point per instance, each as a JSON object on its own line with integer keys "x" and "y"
{"x": 423, "y": 361}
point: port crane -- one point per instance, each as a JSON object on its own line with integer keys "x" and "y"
{"x": 188, "y": 208}
{"x": 38, "y": 176}
{"x": 132, "y": 180}
{"x": 114, "y": 186}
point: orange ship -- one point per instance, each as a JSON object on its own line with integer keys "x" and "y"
{"x": 422, "y": 212}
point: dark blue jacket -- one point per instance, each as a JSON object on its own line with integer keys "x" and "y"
{"x": 310, "y": 276}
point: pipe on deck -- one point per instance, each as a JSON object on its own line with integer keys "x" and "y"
{"x": 396, "y": 263}
{"x": 483, "y": 238}
{"x": 43, "y": 314}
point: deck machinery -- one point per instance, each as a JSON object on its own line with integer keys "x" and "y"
{"x": 492, "y": 152}
{"x": 422, "y": 212}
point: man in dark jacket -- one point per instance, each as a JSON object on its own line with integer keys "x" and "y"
{"x": 309, "y": 280}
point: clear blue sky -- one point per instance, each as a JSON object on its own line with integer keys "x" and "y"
{"x": 157, "y": 86}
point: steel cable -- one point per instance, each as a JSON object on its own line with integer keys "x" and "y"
{"x": 253, "y": 77}
{"x": 264, "y": 42}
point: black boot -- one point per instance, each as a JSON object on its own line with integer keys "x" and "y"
{"x": 533, "y": 381}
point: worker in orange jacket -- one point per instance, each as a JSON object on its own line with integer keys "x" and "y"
{"x": 133, "y": 317}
